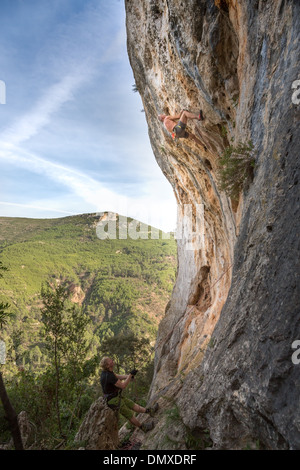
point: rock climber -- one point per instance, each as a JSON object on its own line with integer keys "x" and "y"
{"x": 176, "y": 125}
{"x": 112, "y": 386}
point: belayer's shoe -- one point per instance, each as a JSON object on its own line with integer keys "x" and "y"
{"x": 153, "y": 409}
{"x": 146, "y": 427}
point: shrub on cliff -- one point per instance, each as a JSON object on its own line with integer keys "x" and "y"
{"x": 236, "y": 168}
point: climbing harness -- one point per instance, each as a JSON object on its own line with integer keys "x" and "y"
{"x": 115, "y": 408}
{"x": 108, "y": 397}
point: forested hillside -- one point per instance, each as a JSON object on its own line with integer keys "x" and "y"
{"x": 120, "y": 288}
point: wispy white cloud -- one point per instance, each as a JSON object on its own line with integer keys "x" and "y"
{"x": 79, "y": 58}
{"x": 150, "y": 208}
{"x": 39, "y": 208}
{"x": 50, "y": 103}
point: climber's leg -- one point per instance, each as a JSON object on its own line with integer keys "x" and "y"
{"x": 139, "y": 409}
{"x": 126, "y": 408}
{"x": 147, "y": 426}
{"x": 135, "y": 422}
{"x": 185, "y": 115}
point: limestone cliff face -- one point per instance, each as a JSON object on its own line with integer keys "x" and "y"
{"x": 223, "y": 351}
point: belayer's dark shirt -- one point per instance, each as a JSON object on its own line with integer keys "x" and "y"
{"x": 108, "y": 380}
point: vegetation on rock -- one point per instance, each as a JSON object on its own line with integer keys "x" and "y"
{"x": 236, "y": 168}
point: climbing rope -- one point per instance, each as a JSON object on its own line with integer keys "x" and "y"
{"x": 221, "y": 276}
{"x": 133, "y": 444}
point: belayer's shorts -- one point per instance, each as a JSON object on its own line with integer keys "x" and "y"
{"x": 126, "y": 406}
{"x": 180, "y": 131}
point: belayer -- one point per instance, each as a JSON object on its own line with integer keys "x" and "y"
{"x": 112, "y": 386}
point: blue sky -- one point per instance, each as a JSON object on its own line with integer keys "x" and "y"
{"x": 73, "y": 138}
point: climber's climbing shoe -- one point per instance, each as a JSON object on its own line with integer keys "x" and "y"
{"x": 201, "y": 117}
{"x": 152, "y": 410}
{"x": 146, "y": 427}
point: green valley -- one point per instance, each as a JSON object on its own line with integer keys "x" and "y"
{"x": 121, "y": 286}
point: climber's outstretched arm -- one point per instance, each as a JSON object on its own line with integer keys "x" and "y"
{"x": 175, "y": 117}
{"x": 121, "y": 384}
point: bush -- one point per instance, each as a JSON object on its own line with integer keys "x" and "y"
{"x": 236, "y": 168}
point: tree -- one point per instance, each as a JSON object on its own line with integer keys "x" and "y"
{"x": 17, "y": 339}
{"x": 3, "y": 307}
{"x": 128, "y": 350}
{"x": 8, "y": 408}
{"x": 36, "y": 354}
{"x": 4, "y": 314}
{"x": 75, "y": 345}
{"x": 65, "y": 328}
{"x": 52, "y": 318}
